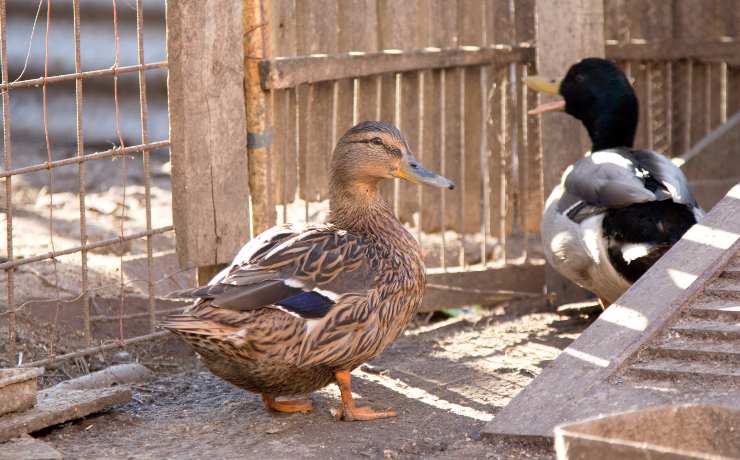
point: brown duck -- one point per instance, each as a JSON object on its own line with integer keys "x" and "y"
{"x": 301, "y": 307}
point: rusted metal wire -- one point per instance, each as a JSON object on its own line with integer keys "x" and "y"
{"x": 89, "y": 246}
{"x": 47, "y": 141}
{"x": 98, "y": 349}
{"x": 113, "y": 152}
{"x": 81, "y": 172}
{"x": 82, "y": 75}
{"x": 144, "y": 115}
{"x": 8, "y": 163}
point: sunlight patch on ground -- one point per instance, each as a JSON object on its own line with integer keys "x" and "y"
{"x": 425, "y": 397}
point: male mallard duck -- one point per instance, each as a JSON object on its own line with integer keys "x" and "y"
{"x": 300, "y": 307}
{"x": 619, "y": 209}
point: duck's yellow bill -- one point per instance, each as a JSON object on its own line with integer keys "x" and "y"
{"x": 554, "y": 106}
{"x": 547, "y": 86}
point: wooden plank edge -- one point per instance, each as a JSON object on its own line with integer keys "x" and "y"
{"x": 26, "y": 447}
{"x": 671, "y": 50}
{"x": 582, "y": 369}
{"x": 484, "y": 286}
{"x": 50, "y": 411}
{"x": 289, "y": 72}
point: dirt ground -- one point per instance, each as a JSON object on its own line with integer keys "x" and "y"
{"x": 446, "y": 380}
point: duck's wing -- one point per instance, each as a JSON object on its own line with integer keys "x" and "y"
{"x": 620, "y": 177}
{"x": 671, "y": 181}
{"x": 304, "y": 274}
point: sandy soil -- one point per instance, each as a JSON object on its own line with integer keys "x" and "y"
{"x": 445, "y": 380}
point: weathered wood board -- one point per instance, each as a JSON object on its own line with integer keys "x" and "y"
{"x": 56, "y": 406}
{"x": 207, "y": 130}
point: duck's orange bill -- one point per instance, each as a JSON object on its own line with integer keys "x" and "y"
{"x": 554, "y": 106}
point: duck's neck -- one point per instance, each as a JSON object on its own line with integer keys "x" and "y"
{"x": 610, "y": 133}
{"x": 615, "y": 125}
{"x": 357, "y": 206}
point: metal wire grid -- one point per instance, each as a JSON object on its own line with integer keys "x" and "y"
{"x": 119, "y": 151}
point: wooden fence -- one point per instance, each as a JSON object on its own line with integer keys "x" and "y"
{"x": 449, "y": 74}
{"x": 259, "y": 91}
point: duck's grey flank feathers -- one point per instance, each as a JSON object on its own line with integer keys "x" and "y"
{"x": 616, "y": 178}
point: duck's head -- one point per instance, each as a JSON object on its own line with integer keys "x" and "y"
{"x": 598, "y": 93}
{"x": 372, "y": 151}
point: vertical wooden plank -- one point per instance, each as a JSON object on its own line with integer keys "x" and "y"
{"x": 693, "y": 24}
{"x": 442, "y": 17}
{"x": 207, "y": 130}
{"x": 358, "y": 32}
{"x": 561, "y": 41}
{"x": 453, "y": 140}
{"x": 535, "y": 188}
{"x": 257, "y": 43}
{"x": 284, "y": 163}
{"x": 396, "y": 31}
{"x": 471, "y": 32}
{"x": 317, "y": 33}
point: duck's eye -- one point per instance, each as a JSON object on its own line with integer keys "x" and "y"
{"x": 376, "y": 141}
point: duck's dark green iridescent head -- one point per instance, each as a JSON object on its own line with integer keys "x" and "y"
{"x": 598, "y": 93}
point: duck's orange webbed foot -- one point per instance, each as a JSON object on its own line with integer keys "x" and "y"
{"x": 348, "y": 411}
{"x": 302, "y": 406}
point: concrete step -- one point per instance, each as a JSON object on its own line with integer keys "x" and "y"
{"x": 716, "y": 308}
{"x": 678, "y": 369}
{"x": 734, "y": 264}
{"x": 724, "y": 287}
{"x": 687, "y": 349}
{"x": 699, "y": 328}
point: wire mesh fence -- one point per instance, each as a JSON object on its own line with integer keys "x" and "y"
{"x": 81, "y": 229}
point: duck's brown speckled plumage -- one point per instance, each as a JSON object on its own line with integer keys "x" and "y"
{"x": 363, "y": 258}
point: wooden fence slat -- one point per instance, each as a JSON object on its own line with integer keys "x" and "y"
{"x": 284, "y": 167}
{"x": 396, "y": 31}
{"x": 443, "y": 16}
{"x": 569, "y": 38}
{"x": 534, "y": 189}
{"x": 358, "y": 31}
{"x": 207, "y": 130}
{"x": 317, "y": 33}
{"x": 471, "y": 16}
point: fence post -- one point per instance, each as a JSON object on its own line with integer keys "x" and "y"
{"x": 258, "y": 46}
{"x": 210, "y": 183}
{"x": 567, "y": 31}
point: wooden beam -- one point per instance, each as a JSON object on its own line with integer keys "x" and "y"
{"x": 281, "y": 73}
{"x": 567, "y": 31}
{"x": 672, "y": 50}
{"x": 711, "y": 165}
{"x": 258, "y": 45}
{"x": 485, "y": 286}
{"x": 210, "y": 185}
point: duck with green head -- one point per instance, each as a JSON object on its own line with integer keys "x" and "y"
{"x": 300, "y": 307}
{"x": 620, "y": 208}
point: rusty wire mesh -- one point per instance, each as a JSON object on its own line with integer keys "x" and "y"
{"x": 53, "y": 300}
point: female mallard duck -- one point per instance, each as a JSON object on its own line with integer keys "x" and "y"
{"x": 300, "y": 307}
{"x": 619, "y": 209}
